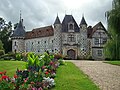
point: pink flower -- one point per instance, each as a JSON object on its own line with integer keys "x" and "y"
{"x": 51, "y": 63}
{"x": 26, "y": 80}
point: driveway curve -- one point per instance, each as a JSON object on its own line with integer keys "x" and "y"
{"x": 104, "y": 75}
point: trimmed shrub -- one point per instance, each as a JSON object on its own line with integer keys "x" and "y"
{"x": 2, "y": 52}
{"x": 8, "y": 56}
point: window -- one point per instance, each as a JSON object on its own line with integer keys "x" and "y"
{"x": 52, "y": 41}
{"x": 71, "y": 26}
{"x": 52, "y": 50}
{"x": 15, "y": 43}
{"x": 96, "y": 41}
{"x": 99, "y": 52}
{"x": 38, "y": 42}
{"x": 71, "y": 38}
{"x": 104, "y": 40}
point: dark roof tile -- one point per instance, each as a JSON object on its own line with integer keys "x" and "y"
{"x": 83, "y": 22}
{"x": 66, "y": 20}
{"x": 57, "y": 21}
{"x": 19, "y": 31}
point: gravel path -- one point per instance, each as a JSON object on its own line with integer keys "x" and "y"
{"x": 106, "y": 76}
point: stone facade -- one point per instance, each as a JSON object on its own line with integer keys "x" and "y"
{"x": 66, "y": 38}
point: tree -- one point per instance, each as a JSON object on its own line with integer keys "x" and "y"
{"x": 5, "y": 32}
{"x": 112, "y": 49}
{"x": 1, "y": 45}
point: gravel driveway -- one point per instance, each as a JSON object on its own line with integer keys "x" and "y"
{"x": 106, "y": 76}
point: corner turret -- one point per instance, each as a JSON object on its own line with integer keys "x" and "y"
{"x": 57, "y": 35}
{"x": 18, "y": 37}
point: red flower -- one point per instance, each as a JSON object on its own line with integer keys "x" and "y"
{"x": 1, "y": 73}
{"x": 4, "y": 77}
{"x": 15, "y": 76}
{"x": 46, "y": 72}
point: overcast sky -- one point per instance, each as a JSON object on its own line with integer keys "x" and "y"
{"x": 37, "y": 13}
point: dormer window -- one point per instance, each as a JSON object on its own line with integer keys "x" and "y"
{"x": 70, "y": 27}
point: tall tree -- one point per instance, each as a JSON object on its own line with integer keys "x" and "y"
{"x": 5, "y": 32}
{"x": 1, "y": 45}
{"x": 112, "y": 49}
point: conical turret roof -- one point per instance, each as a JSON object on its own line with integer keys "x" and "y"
{"x": 20, "y": 30}
{"x": 57, "y": 21}
{"x": 83, "y": 22}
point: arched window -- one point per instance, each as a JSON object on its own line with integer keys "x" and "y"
{"x": 15, "y": 43}
{"x": 71, "y": 26}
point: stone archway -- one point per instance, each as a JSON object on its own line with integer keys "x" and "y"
{"x": 71, "y": 54}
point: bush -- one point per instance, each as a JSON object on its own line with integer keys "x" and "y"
{"x": 2, "y": 52}
{"x": 58, "y": 56}
{"x": 89, "y": 57}
{"x": 8, "y": 56}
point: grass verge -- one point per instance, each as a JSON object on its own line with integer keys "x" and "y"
{"x": 11, "y": 66}
{"x": 113, "y": 62}
{"x": 69, "y": 77}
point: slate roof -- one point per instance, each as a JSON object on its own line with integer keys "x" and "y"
{"x": 19, "y": 31}
{"x": 83, "y": 22}
{"x": 40, "y": 32}
{"x": 66, "y": 20}
{"x": 96, "y": 27}
{"x": 57, "y": 21}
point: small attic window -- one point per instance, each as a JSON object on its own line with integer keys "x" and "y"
{"x": 71, "y": 26}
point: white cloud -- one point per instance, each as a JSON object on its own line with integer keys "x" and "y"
{"x": 37, "y": 13}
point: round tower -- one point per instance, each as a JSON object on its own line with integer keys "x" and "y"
{"x": 83, "y": 38}
{"x": 18, "y": 36}
{"x": 57, "y": 36}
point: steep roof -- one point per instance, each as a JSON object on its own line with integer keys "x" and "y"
{"x": 57, "y": 21}
{"x": 40, "y": 32}
{"x": 19, "y": 31}
{"x": 67, "y": 19}
{"x": 97, "y": 27}
{"x": 83, "y": 22}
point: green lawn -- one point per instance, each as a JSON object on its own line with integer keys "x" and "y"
{"x": 69, "y": 77}
{"x": 113, "y": 62}
{"x": 11, "y": 66}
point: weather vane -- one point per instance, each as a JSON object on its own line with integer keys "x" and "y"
{"x": 20, "y": 14}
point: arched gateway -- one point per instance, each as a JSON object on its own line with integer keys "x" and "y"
{"x": 71, "y": 54}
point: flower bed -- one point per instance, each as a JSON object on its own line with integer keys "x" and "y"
{"x": 39, "y": 74}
